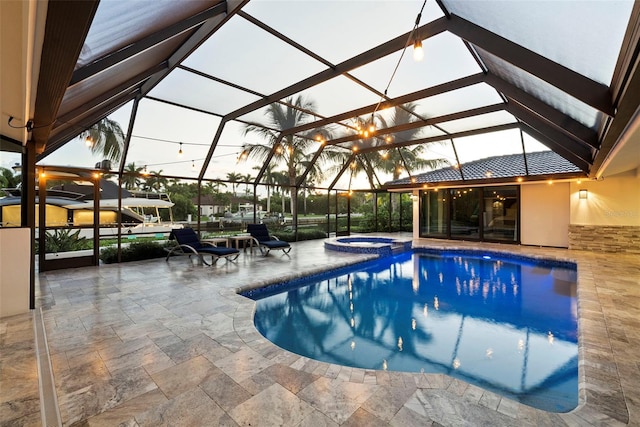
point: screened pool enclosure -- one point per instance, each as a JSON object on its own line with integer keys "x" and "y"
{"x": 315, "y": 114}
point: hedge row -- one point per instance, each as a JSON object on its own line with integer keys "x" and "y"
{"x": 136, "y": 251}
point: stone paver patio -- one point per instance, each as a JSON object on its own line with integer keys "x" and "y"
{"x": 154, "y": 343}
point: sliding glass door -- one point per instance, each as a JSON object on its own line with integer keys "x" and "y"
{"x": 477, "y": 213}
{"x": 465, "y": 213}
{"x": 433, "y": 215}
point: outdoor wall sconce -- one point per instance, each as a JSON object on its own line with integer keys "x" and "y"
{"x": 583, "y": 194}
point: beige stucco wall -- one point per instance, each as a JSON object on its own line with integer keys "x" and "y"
{"x": 545, "y": 214}
{"x": 15, "y": 255}
{"x": 614, "y": 200}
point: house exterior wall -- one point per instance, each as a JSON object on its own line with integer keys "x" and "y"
{"x": 612, "y": 201}
{"x": 545, "y": 214}
{"x": 608, "y": 219}
{"x": 15, "y": 259}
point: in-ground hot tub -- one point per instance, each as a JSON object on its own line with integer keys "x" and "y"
{"x": 383, "y": 246}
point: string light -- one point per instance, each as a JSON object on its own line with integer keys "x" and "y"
{"x": 180, "y": 151}
{"x": 418, "y": 51}
{"x": 89, "y": 141}
{"x": 193, "y": 165}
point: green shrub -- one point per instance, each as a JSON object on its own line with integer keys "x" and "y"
{"x": 303, "y": 234}
{"x": 63, "y": 240}
{"x": 134, "y": 252}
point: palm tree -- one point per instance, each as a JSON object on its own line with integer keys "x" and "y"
{"x": 292, "y": 149}
{"x": 131, "y": 178}
{"x": 217, "y": 185}
{"x": 107, "y": 139}
{"x": 268, "y": 180}
{"x": 247, "y": 180}
{"x": 8, "y": 179}
{"x": 281, "y": 180}
{"x": 398, "y": 159}
{"x": 155, "y": 181}
{"x": 405, "y": 158}
{"x": 233, "y": 178}
{"x": 315, "y": 174}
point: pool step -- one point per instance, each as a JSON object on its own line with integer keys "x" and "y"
{"x": 398, "y": 248}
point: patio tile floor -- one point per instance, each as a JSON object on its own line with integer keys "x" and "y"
{"x": 172, "y": 343}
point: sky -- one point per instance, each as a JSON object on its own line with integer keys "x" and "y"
{"x": 249, "y": 57}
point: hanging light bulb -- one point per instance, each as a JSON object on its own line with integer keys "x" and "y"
{"x": 418, "y": 52}
{"x": 180, "y": 151}
{"x": 193, "y": 165}
{"x": 89, "y": 141}
{"x": 144, "y": 171}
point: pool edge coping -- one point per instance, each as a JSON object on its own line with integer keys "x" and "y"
{"x": 586, "y": 407}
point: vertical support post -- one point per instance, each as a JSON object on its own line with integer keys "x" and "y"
{"x": 28, "y": 212}
{"x": 96, "y": 219}
{"x": 389, "y": 225}
{"x": 255, "y": 203}
{"x": 375, "y": 211}
{"x": 119, "y": 218}
{"x": 400, "y": 212}
{"x": 349, "y": 214}
{"x": 123, "y": 161}
{"x": 42, "y": 198}
{"x": 199, "y": 203}
{"x": 328, "y": 213}
{"x": 337, "y": 209}
{"x": 295, "y": 216}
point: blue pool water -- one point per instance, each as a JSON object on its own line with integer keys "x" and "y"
{"x": 507, "y": 325}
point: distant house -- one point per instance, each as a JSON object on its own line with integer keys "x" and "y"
{"x": 210, "y": 206}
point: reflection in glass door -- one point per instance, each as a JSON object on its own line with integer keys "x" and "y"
{"x": 465, "y": 213}
{"x": 433, "y": 217}
{"x": 500, "y": 213}
{"x": 479, "y": 213}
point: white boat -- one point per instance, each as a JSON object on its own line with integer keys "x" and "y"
{"x": 72, "y": 207}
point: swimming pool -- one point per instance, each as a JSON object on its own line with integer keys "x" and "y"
{"x": 507, "y": 325}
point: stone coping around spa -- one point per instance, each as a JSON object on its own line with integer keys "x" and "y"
{"x": 379, "y": 245}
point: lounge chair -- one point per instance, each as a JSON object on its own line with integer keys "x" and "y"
{"x": 265, "y": 241}
{"x": 188, "y": 243}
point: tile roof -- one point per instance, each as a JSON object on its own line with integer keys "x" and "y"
{"x": 512, "y": 165}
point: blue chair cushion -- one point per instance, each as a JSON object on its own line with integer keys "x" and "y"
{"x": 259, "y": 232}
{"x": 274, "y": 244}
{"x": 219, "y": 251}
